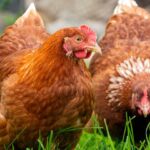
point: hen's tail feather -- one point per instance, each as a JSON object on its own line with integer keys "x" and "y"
{"x": 120, "y": 8}
{"x": 130, "y": 7}
{"x": 30, "y": 17}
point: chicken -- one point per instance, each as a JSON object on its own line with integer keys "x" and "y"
{"x": 121, "y": 77}
{"x": 45, "y": 84}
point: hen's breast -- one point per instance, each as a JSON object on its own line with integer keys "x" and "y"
{"x": 67, "y": 101}
{"x": 73, "y": 99}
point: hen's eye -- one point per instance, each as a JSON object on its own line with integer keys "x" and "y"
{"x": 139, "y": 96}
{"x": 148, "y": 93}
{"x": 79, "y": 39}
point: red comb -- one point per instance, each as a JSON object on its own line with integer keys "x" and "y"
{"x": 89, "y": 32}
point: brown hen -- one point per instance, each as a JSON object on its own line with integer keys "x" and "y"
{"x": 121, "y": 77}
{"x": 45, "y": 84}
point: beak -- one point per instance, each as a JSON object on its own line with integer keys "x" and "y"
{"x": 96, "y": 48}
{"x": 145, "y": 109}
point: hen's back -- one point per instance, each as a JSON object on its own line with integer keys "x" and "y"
{"x": 127, "y": 28}
{"x": 129, "y": 24}
{"x": 25, "y": 35}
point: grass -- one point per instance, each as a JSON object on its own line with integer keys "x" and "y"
{"x": 98, "y": 141}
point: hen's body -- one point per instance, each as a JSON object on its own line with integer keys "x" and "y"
{"x": 126, "y": 51}
{"x": 59, "y": 102}
{"x": 41, "y": 89}
{"x": 105, "y": 68}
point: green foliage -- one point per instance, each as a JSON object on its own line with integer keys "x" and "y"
{"x": 4, "y": 3}
{"x": 9, "y": 19}
{"x": 98, "y": 141}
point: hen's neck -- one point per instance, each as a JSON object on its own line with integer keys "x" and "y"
{"x": 128, "y": 73}
{"x": 46, "y": 64}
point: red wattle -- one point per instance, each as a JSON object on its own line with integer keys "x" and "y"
{"x": 82, "y": 54}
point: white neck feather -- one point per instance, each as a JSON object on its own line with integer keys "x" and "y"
{"x": 126, "y": 70}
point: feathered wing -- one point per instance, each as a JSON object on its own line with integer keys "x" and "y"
{"x": 130, "y": 23}
{"x": 28, "y": 32}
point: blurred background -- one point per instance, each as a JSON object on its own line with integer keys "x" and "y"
{"x": 60, "y": 13}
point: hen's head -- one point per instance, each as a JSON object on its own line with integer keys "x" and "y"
{"x": 141, "y": 98}
{"x": 80, "y": 42}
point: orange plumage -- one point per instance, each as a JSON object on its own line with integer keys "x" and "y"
{"x": 121, "y": 76}
{"x": 46, "y": 85}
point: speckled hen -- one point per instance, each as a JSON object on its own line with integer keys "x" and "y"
{"x": 121, "y": 76}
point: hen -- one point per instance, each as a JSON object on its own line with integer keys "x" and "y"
{"x": 121, "y": 77}
{"x": 45, "y": 84}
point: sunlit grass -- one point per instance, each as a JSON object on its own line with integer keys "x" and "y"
{"x": 98, "y": 141}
